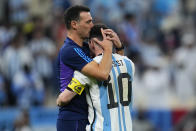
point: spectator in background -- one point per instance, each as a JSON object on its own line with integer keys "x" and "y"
{"x": 59, "y": 30}
{"x": 15, "y": 55}
{"x": 156, "y": 84}
{"x": 28, "y": 87}
{"x": 35, "y": 23}
{"x": 43, "y": 50}
{"x": 137, "y": 6}
{"x": 150, "y": 50}
{"x": 112, "y": 8}
{"x": 130, "y": 35}
{"x": 185, "y": 74}
{"x": 22, "y": 122}
{"x": 41, "y": 8}
{"x": 7, "y": 32}
{"x": 18, "y": 11}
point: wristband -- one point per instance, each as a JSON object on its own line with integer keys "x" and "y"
{"x": 76, "y": 86}
{"x": 121, "y": 48}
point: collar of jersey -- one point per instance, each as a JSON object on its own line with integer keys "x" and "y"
{"x": 70, "y": 41}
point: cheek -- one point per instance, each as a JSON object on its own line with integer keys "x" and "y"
{"x": 84, "y": 30}
{"x": 87, "y": 27}
{"x": 81, "y": 30}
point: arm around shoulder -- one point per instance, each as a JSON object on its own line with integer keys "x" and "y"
{"x": 100, "y": 70}
{"x": 65, "y": 97}
{"x": 96, "y": 70}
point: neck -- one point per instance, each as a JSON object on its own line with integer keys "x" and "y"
{"x": 74, "y": 36}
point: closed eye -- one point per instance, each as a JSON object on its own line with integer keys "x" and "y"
{"x": 89, "y": 21}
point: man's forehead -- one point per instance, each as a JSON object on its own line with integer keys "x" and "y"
{"x": 85, "y": 16}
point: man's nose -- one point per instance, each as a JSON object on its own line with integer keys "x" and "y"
{"x": 92, "y": 24}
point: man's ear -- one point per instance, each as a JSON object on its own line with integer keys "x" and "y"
{"x": 74, "y": 24}
{"x": 92, "y": 44}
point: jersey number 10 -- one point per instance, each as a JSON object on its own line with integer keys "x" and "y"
{"x": 122, "y": 89}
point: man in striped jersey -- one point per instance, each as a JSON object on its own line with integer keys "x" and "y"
{"x": 109, "y": 101}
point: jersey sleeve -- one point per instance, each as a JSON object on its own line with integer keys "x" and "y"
{"x": 97, "y": 59}
{"x": 74, "y": 57}
{"x": 79, "y": 82}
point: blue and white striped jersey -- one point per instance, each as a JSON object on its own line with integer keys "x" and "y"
{"x": 110, "y": 101}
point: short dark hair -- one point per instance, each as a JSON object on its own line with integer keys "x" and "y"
{"x": 96, "y": 31}
{"x": 73, "y": 13}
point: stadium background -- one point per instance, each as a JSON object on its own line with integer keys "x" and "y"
{"x": 159, "y": 36}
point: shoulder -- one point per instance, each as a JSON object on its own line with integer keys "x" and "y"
{"x": 67, "y": 51}
{"x": 122, "y": 57}
{"x": 67, "y": 46}
{"x": 126, "y": 60}
{"x": 74, "y": 56}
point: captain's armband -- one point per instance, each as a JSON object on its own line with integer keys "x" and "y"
{"x": 76, "y": 86}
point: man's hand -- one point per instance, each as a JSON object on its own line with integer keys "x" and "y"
{"x": 65, "y": 97}
{"x": 58, "y": 101}
{"x": 113, "y": 37}
{"x": 105, "y": 43}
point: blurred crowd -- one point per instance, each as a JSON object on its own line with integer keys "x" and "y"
{"x": 159, "y": 36}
